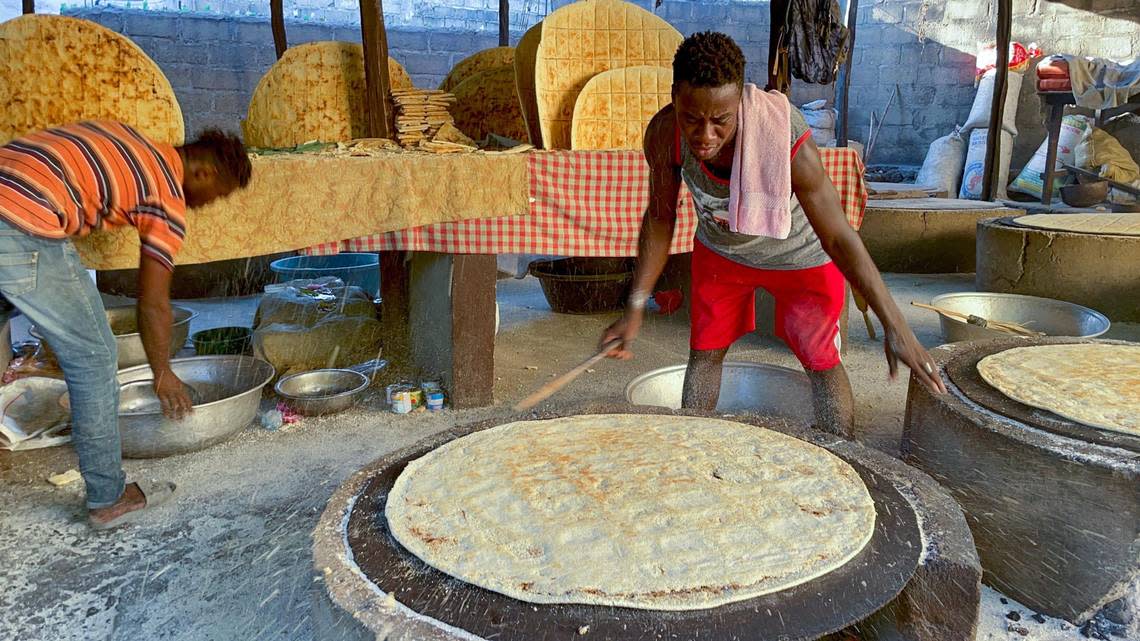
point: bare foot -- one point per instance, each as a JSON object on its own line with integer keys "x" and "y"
{"x": 131, "y": 500}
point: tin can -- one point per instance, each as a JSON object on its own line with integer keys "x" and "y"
{"x": 417, "y": 397}
{"x": 402, "y": 401}
{"x": 435, "y": 401}
{"x": 390, "y": 390}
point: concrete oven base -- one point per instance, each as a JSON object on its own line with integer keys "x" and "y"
{"x": 926, "y": 236}
{"x": 1056, "y": 519}
{"x": 1098, "y": 271}
{"x": 940, "y": 602}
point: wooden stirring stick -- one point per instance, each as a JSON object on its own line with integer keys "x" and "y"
{"x": 1001, "y": 326}
{"x": 550, "y": 388}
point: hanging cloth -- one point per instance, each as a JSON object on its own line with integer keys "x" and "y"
{"x": 818, "y": 41}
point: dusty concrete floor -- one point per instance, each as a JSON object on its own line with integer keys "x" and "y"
{"x": 230, "y": 560}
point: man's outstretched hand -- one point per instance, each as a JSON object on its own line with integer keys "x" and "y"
{"x": 900, "y": 344}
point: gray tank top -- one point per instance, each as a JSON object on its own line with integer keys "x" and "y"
{"x": 800, "y": 250}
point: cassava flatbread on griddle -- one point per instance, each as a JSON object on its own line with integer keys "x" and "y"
{"x": 649, "y": 512}
{"x": 1113, "y": 224}
{"x": 1093, "y": 384}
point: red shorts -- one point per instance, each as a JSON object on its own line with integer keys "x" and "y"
{"x": 808, "y": 305}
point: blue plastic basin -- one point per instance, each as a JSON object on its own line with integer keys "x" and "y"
{"x": 359, "y": 269}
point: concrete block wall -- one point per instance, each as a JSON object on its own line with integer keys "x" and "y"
{"x": 925, "y": 47}
{"x": 214, "y": 61}
{"x": 466, "y": 15}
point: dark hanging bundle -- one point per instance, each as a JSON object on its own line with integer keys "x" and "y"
{"x": 817, "y": 40}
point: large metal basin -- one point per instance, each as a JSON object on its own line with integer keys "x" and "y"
{"x": 1053, "y": 317}
{"x": 125, "y": 327}
{"x": 745, "y": 388}
{"x": 226, "y": 391}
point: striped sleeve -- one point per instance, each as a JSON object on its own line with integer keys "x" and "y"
{"x": 162, "y": 228}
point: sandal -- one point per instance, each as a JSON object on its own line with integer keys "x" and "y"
{"x": 156, "y": 493}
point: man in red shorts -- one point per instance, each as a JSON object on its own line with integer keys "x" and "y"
{"x": 693, "y": 140}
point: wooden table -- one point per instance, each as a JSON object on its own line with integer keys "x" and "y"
{"x": 439, "y": 280}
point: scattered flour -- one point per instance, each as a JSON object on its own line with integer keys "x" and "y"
{"x": 994, "y": 626}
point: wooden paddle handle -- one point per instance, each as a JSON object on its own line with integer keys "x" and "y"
{"x": 945, "y": 312}
{"x": 1007, "y": 328}
{"x": 550, "y": 388}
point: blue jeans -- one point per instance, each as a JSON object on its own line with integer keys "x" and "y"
{"x": 45, "y": 280}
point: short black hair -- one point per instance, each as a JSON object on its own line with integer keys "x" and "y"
{"x": 708, "y": 59}
{"x": 226, "y": 151}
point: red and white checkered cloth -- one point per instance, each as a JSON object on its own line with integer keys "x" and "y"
{"x": 584, "y": 203}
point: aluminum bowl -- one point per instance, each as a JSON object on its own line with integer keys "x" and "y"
{"x": 124, "y": 325}
{"x": 226, "y": 391}
{"x": 745, "y": 388}
{"x": 1053, "y": 317}
{"x": 322, "y": 391}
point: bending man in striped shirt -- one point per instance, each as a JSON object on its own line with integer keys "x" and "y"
{"x": 71, "y": 181}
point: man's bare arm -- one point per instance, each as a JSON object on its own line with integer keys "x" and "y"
{"x": 657, "y": 227}
{"x": 825, "y": 212}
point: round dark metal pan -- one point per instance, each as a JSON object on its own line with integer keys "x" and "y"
{"x": 819, "y": 607}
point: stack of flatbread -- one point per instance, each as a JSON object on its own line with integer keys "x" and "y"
{"x": 420, "y": 113}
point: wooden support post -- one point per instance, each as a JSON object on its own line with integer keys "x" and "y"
{"x": 377, "y": 93}
{"x": 997, "y": 109}
{"x": 1053, "y": 126}
{"x": 779, "y": 75}
{"x": 452, "y": 311}
{"x": 504, "y": 23}
{"x": 29, "y": 6}
{"x": 395, "y": 291}
{"x": 841, "y": 131}
{"x": 277, "y": 22}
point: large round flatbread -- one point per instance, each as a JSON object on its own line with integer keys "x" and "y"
{"x": 314, "y": 92}
{"x": 1115, "y": 224}
{"x": 650, "y": 512}
{"x": 525, "y": 54}
{"x": 478, "y": 62}
{"x": 487, "y": 103}
{"x": 1094, "y": 384}
{"x": 615, "y": 107}
{"x": 585, "y": 38}
{"x": 58, "y": 70}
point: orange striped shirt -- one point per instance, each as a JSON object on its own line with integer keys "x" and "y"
{"x": 73, "y": 180}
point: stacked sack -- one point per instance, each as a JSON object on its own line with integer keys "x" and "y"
{"x": 1075, "y": 129}
{"x": 962, "y": 153}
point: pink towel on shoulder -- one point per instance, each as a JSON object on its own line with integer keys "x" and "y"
{"x": 761, "y": 187}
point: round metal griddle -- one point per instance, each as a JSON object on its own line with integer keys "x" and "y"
{"x": 822, "y": 606}
{"x": 962, "y": 369}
